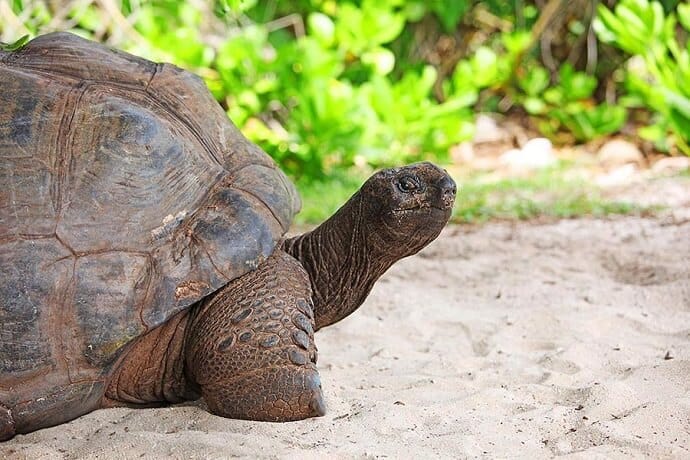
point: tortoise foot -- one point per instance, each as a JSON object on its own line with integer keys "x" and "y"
{"x": 6, "y": 424}
{"x": 272, "y": 395}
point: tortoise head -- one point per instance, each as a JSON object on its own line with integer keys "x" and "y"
{"x": 394, "y": 214}
{"x": 404, "y": 209}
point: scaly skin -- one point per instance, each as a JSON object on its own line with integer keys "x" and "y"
{"x": 378, "y": 226}
{"x": 249, "y": 349}
{"x": 153, "y": 372}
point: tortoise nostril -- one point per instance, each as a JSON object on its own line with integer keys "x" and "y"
{"x": 448, "y": 187}
{"x": 448, "y": 191}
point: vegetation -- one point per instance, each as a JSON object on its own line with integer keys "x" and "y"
{"x": 554, "y": 192}
{"x": 332, "y": 89}
{"x": 658, "y": 77}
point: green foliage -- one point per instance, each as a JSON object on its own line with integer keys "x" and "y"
{"x": 327, "y": 101}
{"x": 552, "y": 192}
{"x": 658, "y": 74}
{"x": 569, "y": 105}
{"x": 449, "y": 12}
{"x": 489, "y": 68}
{"x": 330, "y": 97}
{"x": 332, "y": 89}
{"x": 320, "y": 199}
{"x": 411, "y": 122}
{"x": 359, "y": 29}
{"x": 548, "y": 194}
{"x": 14, "y": 46}
{"x": 321, "y": 102}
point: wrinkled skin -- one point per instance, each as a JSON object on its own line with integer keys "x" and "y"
{"x": 396, "y": 213}
{"x": 249, "y": 350}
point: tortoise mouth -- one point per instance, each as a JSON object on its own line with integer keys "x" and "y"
{"x": 424, "y": 208}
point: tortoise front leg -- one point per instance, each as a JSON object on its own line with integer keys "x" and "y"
{"x": 251, "y": 347}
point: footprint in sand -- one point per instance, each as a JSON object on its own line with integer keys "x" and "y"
{"x": 634, "y": 270}
{"x": 559, "y": 365}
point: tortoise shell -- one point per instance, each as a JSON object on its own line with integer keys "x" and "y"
{"x": 126, "y": 195}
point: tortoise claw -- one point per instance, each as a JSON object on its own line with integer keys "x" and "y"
{"x": 276, "y": 395}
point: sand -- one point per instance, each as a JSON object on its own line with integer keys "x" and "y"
{"x": 509, "y": 340}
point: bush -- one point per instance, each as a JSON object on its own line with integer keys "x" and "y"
{"x": 658, "y": 74}
{"x": 328, "y": 86}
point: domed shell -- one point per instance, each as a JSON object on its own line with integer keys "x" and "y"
{"x": 126, "y": 195}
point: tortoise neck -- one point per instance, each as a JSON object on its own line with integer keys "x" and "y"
{"x": 343, "y": 261}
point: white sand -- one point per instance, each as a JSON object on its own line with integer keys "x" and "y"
{"x": 507, "y": 340}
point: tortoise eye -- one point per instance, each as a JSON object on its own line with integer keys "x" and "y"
{"x": 408, "y": 184}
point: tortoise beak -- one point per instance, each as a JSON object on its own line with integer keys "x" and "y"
{"x": 447, "y": 190}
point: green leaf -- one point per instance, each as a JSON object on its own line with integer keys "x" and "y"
{"x": 516, "y": 42}
{"x": 555, "y": 96}
{"x": 427, "y": 80}
{"x": 658, "y": 17}
{"x": 17, "y": 45}
{"x": 322, "y": 28}
{"x": 236, "y": 6}
{"x": 453, "y": 105}
{"x": 680, "y": 123}
{"x": 535, "y": 81}
{"x": 250, "y": 100}
{"x": 449, "y": 12}
{"x": 380, "y": 59}
{"x": 88, "y": 17}
{"x": 360, "y": 29}
{"x": 684, "y": 15}
{"x": 635, "y": 24}
{"x": 612, "y": 29}
{"x": 670, "y": 36}
{"x": 485, "y": 67}
{"x": 678, "y": 102}
{"x": 534, "y": 106}
{"x": 126, "y": 7}
{"x": 348, "y": 28}
{"x": 576, "y": 85}
{"x": 608, "y": 118}
{"x": 602, "y": 29}
{"x": 654, "y": 133}
{"x": 414, "y": 10}
{"x": 463, "y": 76}
{"x": 587, "y": 123}
{"x": 381, "y": 25}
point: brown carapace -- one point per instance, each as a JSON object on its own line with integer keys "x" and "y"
{"x": 142, "y": 251}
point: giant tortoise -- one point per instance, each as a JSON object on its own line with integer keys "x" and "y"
{"x": 143, "y": 251}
